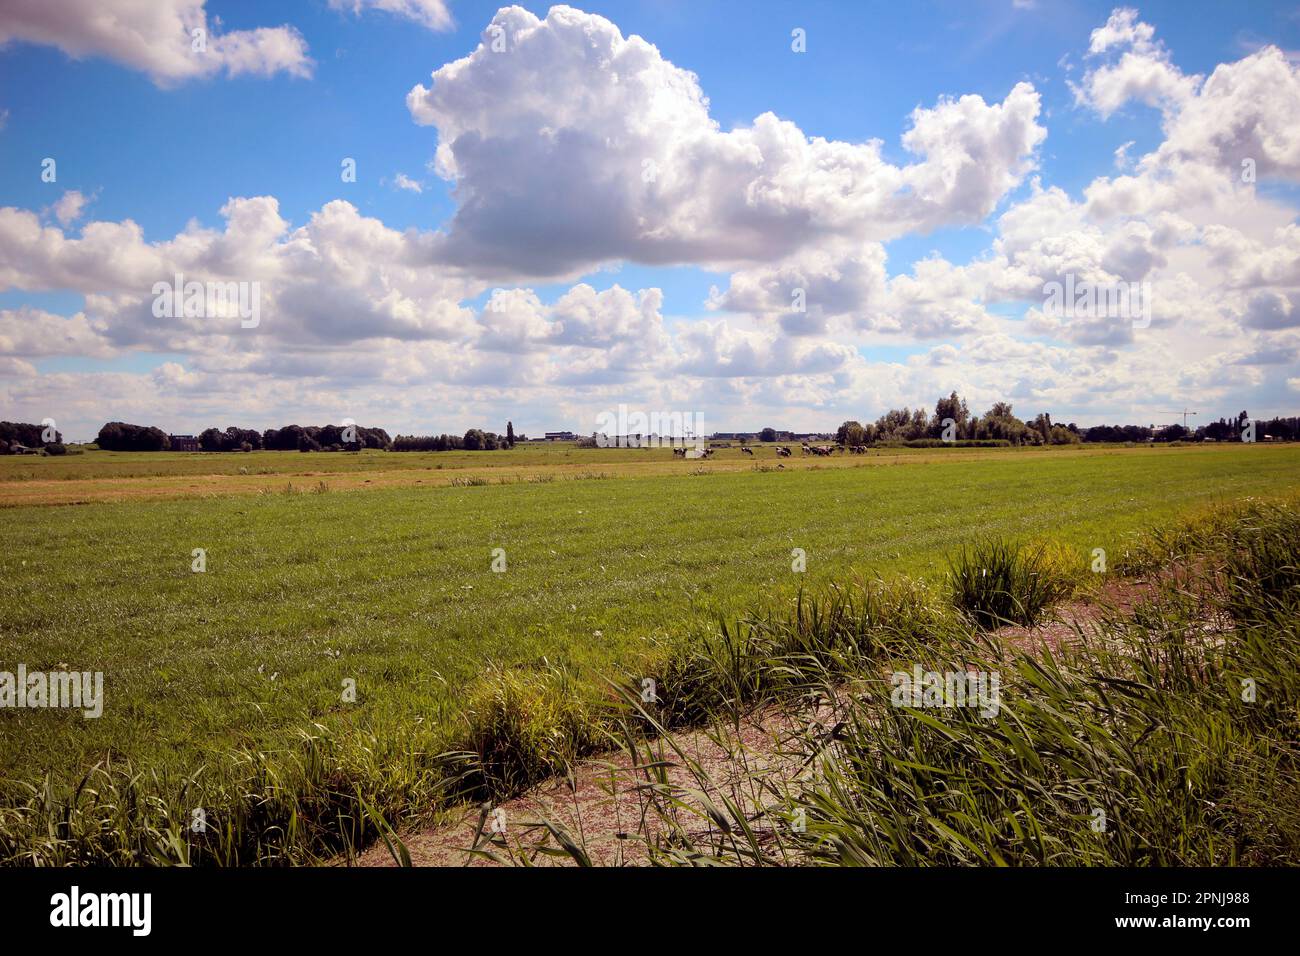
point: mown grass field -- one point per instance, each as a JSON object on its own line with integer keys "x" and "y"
{"x": 392, "y": 586}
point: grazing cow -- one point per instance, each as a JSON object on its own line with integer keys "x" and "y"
{"x": 782, "y": 451}
{"x": 806, "y": 449}
{"x": 748, "y": 451}
{"x": 679, "y": 452}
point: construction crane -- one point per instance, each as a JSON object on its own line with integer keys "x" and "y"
{"x": 1184, "y": 413}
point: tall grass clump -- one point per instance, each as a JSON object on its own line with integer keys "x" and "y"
{"x": 324, "y": 795}
{"x": 997, "y": 582}
{"x": 784, "y": 651}
{"x": 522, "y": 727}
{"x": 1261, "y": 562}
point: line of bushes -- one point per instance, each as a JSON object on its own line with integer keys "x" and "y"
{"x": 123, "y": 436}
{"x": 476, "y": 439}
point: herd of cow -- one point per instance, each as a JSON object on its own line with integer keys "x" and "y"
{"x": 783, "y": 451}
{"x": 826, "y": 450}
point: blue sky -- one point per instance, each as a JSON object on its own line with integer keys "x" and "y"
{"x": 165, "y": 155}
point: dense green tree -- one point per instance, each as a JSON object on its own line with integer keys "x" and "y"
{"x": 999, "y": 424}
{"x": 121, "y": 436}
{"x": 851, "y": 433}
{"x": 25, "y": 433}
{"x": 951, "y": 407}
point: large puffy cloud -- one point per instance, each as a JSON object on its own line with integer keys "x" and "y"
{"x": 341, "y": 278}
{"x": 1223, "y": 133}
{"x": 1142, "y": 72}
{"x": 718, "y": 349}
{"x": 847, "y": 290}
{"x": 1272, "y": 310}
{"x": 156, "y": 37}
{"x": 1245, "y": 111}
{"x": 811, "y": 289}
{"x": 1251, "y": 263}
{"x": 349, "y": 307}
{"x": 571, "y": 145}
{"x": 35, "y": 333}
{"x": 1225, "y": 259}
{"x": 516, "y": 320}
{"x": 1209, "y": 253}
{"x": 1039, "y": 241}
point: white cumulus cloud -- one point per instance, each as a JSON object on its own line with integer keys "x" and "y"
{"x": 157, "y": 37}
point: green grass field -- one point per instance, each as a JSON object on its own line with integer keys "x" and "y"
{"x": 118, "y": 476}
{"x": 393, "y": 587}
{"x": 125, "y": 464}
{"x": 100, "y": 476}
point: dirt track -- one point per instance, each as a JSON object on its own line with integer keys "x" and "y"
{"x": 605, "y": 804}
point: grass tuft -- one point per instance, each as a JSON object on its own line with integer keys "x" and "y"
{"x": 997, "y": 582}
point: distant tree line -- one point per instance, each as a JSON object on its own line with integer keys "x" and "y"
{"x": 312, "y": 438}
{"x": 15, "y": 435}
{"x": 952, "y": 421}
{"x": 121, "y": 436}
{"x": 476, "y": 439}
{"x": 232, "y": 439}
{"x": 1230, "y": 429}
